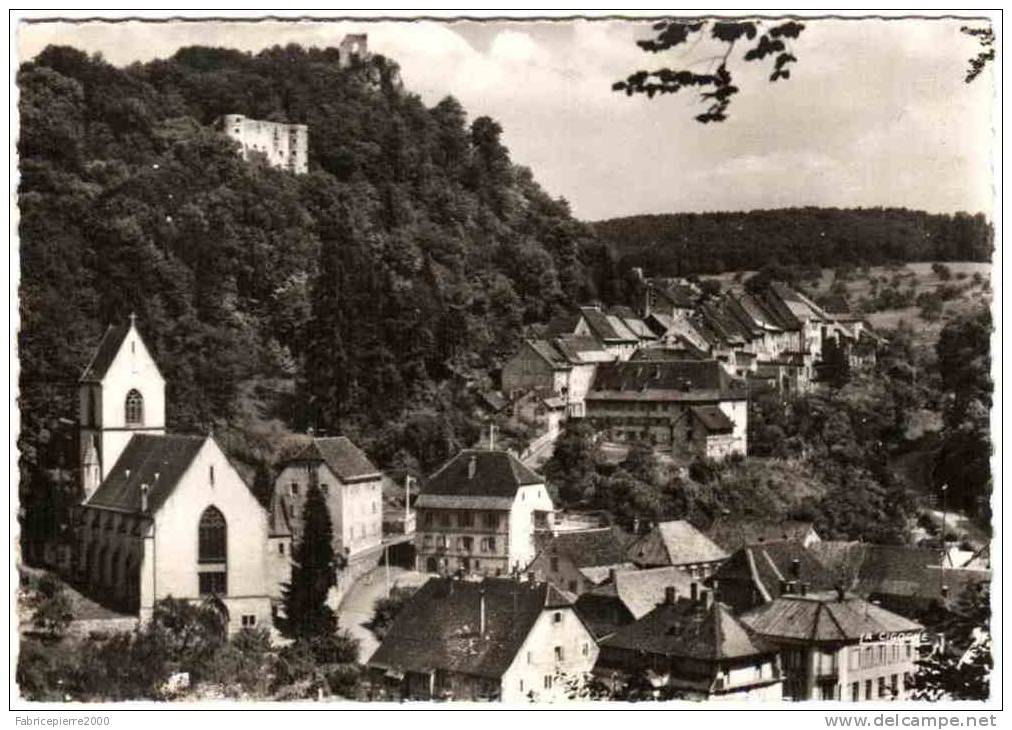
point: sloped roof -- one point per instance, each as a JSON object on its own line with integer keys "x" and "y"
{"x": 898, "y": 574}
{"x": 836, "y": 304}
{"x": 607, "y": 329}
{"x": 549, "y": 354}
{"x": 496, "y": 474}
{"x": 159, "y": 461}
{"x": 580, "y": 348}
{"x": 343, "y": 457}
{"x": 676, "y": 380}
{"x": 659, "y": 322}
{"x": 110, "y": 344}
{"x": 685, "y": 350}
{"x": 677, "y": 295}
{"x": 603, "y": 546}
{"x": 713, "y": 419}
{"x": 766, "y": 564}
{"x": 690, "y": 629}
{"x": 438, "y": 627}
{"x": 639, "y": 591}
{"x": 682, "y": 544}
{"x": 733, "y": 534}
{"x": 824, "y": 617}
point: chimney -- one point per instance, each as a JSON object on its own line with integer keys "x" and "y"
{"x": 784, "y": 586}
{"x": 481, "y": 612}
{"x": 796, "y": 568}
{"x": 472, "y": 464}
{"x": 694, "y": 591}
{"x": 669, "y": 595}
{"x": 804, "y": 588}
{"x": 612, "y": 574}
{"x": 144, "y": 498}
{"x": 839, "y": 593}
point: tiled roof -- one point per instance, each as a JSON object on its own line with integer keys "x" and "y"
{"x": 599, "y": 547}
{"x": 713, "y": 419}
{"x": 766, "y": 564}
{"x": 604, "y": 328}
{"x": 438, "y": 627}
{"x": 111, "y": 342}
{"x": 675, "y": 380}
{"x": 158, "y": 461}
{"x": 691, "y": 630}
{"x": 549, "y": 354}
{"x": 685, "y": 350}
{"x": 632, "y": 595}
{"x": 732, "y": 534}
{"x": 581, "y": 348}
{"x": 495, "y": 474}
{"x": 659, "y": 322}
{"x": 836, "y": 304}
{"x": 904, "y": 577}
{"x": 343, "y": 458}
{"x": 824, "y": 617}
{"x": 680, "y": 544}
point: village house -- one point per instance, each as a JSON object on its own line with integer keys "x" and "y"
{"x": 758, "y": 573}
{"x": 669, "y": 297}
{"x": 677, "y": 543}
{"x": 480, "y": 513}
{"x": 577, "y": 560}
{"x": 164, "y": 515}
{"x": 835, "y": 646}
{"x": 351, "y": 485}
{"x": 558, "y": 368}
{"x": 659, "y": 402}
{"x": 691, "y": 647}
{"x": 626, "y": 596}
{"x": 497, "y": 639}
{"x": 609, "y": 329}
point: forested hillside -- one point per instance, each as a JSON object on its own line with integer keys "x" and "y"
{"x": 406, "y": 261}
{"x": 710, "y": 243}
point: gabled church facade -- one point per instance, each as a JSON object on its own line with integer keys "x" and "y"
{"x": 165, "y": 514}
{"x": 121, "y": 393}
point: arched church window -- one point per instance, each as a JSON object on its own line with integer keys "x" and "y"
{"x": 134, "y": 408}
{"x": 212, "y": 548}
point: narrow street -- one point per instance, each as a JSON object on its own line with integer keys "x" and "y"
{"x": 356, "y": 608}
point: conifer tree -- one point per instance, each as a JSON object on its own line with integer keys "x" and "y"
{"x": 305, "y": 597}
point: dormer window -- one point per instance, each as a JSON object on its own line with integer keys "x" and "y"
{"x": 134, "y": 408}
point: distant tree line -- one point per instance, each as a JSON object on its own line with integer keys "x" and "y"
{"x": 708, "y": 243}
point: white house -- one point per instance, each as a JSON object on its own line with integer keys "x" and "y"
{"x": 479, "y": 513}
{"x": 497, "y": 639}
{"x": 352, "y": 488}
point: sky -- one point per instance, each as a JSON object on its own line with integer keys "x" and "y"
{"x": 876, "y": 112}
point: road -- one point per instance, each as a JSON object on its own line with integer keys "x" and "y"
{"x": 357, "y": 606}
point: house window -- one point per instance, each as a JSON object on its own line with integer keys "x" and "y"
{"x": 444, "y": 519}
{"x": 894, "y": 684}
{"x": 881, "y": 686}
{"x": 573, "y": 588}
{"x": 427, "y": 519}
{"x": 281, "y": 548}
{"x": 491, "y": 520}
{"x": 427, "y": 541}
{"x": 249, "y": 621}
{"x": 134, "y": 408}
{"x": 548, "y": 681}
{"x": 530, "y": 658}
{"x": 557, "y": 617}
{"x": 295, "y": 489}
{"x": 210, "y": 474}
{"x": 558, "y": 653}
{"x": 586, "y": 649}
{"x": 323, "y": 489}
{"x": 465, "y": 519}
{"x": 467, "y": 543}
{"x": 855, "y": 691}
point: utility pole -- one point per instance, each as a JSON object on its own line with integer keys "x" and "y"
{"x": 491, "y": 436}
{"x": 945, "y": 552}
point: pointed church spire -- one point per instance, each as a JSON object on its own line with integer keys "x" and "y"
{"x": 133, "y": 319}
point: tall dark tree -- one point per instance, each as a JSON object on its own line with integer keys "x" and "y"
{"x": 835, "y": 368}
{"x": 305, "y": 597}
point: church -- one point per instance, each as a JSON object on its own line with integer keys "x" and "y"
{"x": 166, "y": 514}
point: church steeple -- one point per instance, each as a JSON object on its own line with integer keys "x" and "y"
{"x": 122, "y": 393}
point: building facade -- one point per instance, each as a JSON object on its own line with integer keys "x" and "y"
{"x": 121, "y": 393}
{"x": 351, "y": 486}
{"x": 480, "y": 514}
{"x": 284, "y": 146}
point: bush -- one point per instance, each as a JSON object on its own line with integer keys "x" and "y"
{"x": 53, "y": 612}
{"x": 386, "y": 609}
{"x": 942, "y": 271}
{"x": 243, "y": 665}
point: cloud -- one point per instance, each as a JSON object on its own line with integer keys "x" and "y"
{"x": 876, "y": 112}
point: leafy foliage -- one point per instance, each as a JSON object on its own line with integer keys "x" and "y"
{"x": 386, "y": 610}
{"x": 359, "y": 297}
{"x": 52, "y": 614}
{"x": 679, "y": 244}
{"x": 716, "y": 87}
